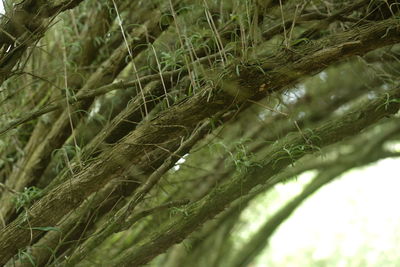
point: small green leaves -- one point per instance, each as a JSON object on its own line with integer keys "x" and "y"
{"x": 24, "y": 256}
{"x": 388, "y": 101}
{"x": 176, "y": 211}
{"x": 26, "y": 198}
{"x": 46, "y": 229}
{"x": 300, "y": 41}
{"x": 240, "y": 156}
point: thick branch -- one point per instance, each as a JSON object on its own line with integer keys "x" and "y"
{"x": 142, "y": 147}
{"x": 24, "y": 26}
{"x": 274, "y": 161}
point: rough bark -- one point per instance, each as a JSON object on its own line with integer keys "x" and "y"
{"x": 225, "y": 68}
{"x": 221, "y": 196}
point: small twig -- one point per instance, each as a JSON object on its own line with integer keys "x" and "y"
{"x": 9, "y": 189}
{"x": 144, "y": 213}
{"x": 283, "y": 25}
{"x": 131, "y": 56}
{"x": 268, "y": 108}
{"x": 161, "y": 75}
{"x": 301, "y": 132}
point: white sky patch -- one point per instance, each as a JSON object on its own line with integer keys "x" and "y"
{"x": 263, "y": 114}
{"x": 393, "y": 147}
{"x": 179, "y": 162}
{"x": 355, "y": 217}
{"x": 323, "y": 76}
{"x": 267, "y": 204}
{"x": 1, "y": 7}
{"x": 95, "y": 109}
{"x": 294, "y": 94}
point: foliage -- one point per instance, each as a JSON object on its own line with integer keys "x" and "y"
{"x": 116, "y": 114}
{"x": 26, "y": 198}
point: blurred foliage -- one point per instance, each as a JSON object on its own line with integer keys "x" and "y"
{"x": 115, "y": 114}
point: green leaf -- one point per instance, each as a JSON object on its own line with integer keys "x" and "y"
{"x": 46, "y": 228}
